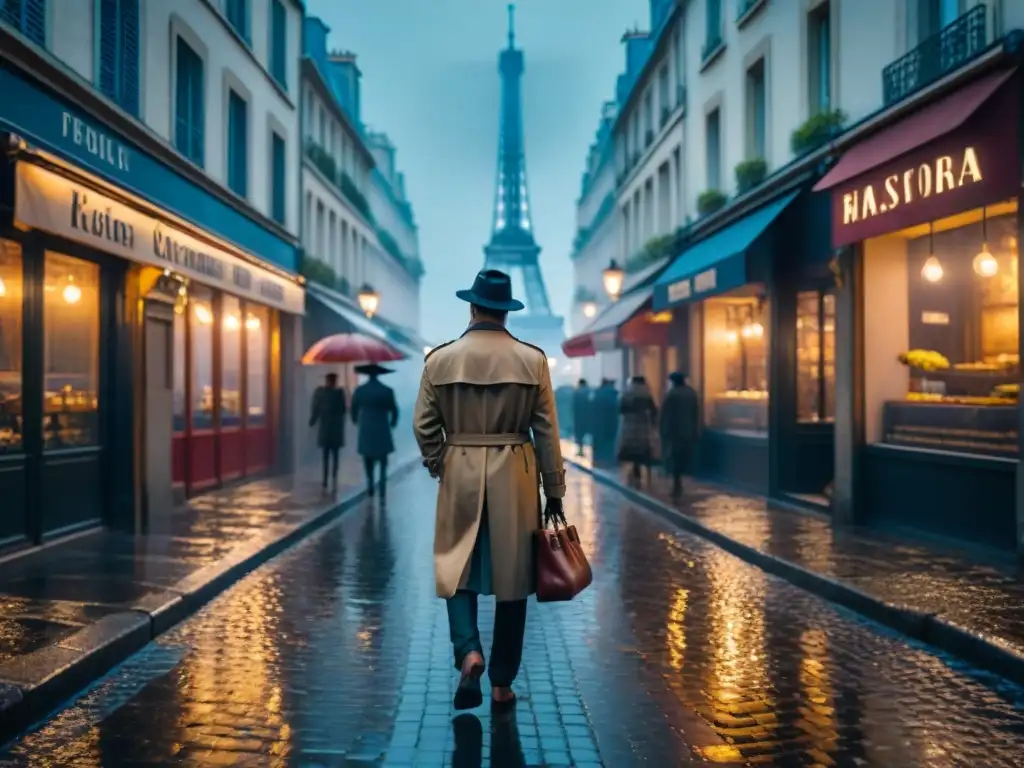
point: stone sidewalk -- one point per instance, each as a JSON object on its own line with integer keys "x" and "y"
{"x": 72, "y": 610}
{"x": 963, "y": 601}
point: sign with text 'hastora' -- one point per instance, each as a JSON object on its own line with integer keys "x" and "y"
{"x": 50, "y": 202}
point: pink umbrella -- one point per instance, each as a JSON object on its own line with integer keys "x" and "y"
{"x": 350, "y": 348}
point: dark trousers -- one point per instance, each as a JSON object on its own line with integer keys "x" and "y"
{"x": 369, "y": 463}
{"x": 509, "y": 627}
{"x": 330, "y": 454}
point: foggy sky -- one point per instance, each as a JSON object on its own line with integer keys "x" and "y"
{"x": 430, "y": 81}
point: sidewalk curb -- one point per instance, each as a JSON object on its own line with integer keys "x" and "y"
{"x": 34, "y": 685}
{"x": 980, "y": 651}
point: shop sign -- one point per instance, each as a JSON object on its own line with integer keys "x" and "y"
{"x": 48, "y": 201}
{"x": 702, "y": 282}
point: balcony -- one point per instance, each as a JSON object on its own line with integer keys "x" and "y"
{"x": 950, "y": 48}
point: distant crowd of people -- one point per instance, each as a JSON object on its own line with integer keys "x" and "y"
{"x": 631, "y": 429}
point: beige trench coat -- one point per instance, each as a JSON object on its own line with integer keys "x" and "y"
{"x": 480, "y": 398}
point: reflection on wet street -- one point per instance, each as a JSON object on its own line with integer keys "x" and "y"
{"x": 336, "y": 654}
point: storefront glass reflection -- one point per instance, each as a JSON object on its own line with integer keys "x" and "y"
{"x": 201, "y": 327}
{"x": 815, "y": 356}
{"x": 11, "y": 301}
{"x": 71, "y": 319}
{"x": 736, "y": 364}
{"x": 942, "y": 365}
{"x": 231, "y": 363}
{"x": 180, "y": 329}
{"x": 257, "y": 339}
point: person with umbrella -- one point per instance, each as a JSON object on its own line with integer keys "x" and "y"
{"x": 328, "y": 415}
{"x": 375, "y": 413}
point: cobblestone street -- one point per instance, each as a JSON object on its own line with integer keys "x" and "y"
{"x": 336, "y": 653}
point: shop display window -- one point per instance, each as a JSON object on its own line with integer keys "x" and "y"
{"x": 942, "y": 366}
{"x": 231, "y": 363}
{"x": 736, "y": 364}
{"x": 202, "y": 322}
{"x": 180, "y": 329}
{"x": 815, "y": 357}
{"x": 11, "y": 302}
{"x": 257, "y": 339}
{"x": 71, "y": 324}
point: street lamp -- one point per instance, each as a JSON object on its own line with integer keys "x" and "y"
{"x": 612, "y": 276}
{"x": 369, "y": 300}
{"x": 589, "y": 309}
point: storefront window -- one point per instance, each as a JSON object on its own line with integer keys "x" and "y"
{"x": 71, "y": 322}
{"x": 942, "y": 367}
{"x": 231, "y": 363}
{"x": 180, "y": 311}
{"x": 257, "y": 339}
{"x": 201, "y": 326}
{"x": 11, "y": 298}
{"x": 736, "y": 364}
{"x": 815, "y": 356}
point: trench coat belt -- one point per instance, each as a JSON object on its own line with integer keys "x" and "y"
{"x": 491, "y": 440}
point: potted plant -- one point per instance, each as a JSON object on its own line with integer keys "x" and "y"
{"x": 750, "y": 173}
{"x": 816, "y": 131}
{"x": 709, "y": 201}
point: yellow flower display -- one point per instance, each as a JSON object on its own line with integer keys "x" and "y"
{"x": 926, "y": 360}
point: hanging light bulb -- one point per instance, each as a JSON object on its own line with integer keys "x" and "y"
{"x": 72, "y": 293}
{"x": 589, "y": 309}
{"x": 932, "y": 270}
{"x": 757, "y": 330}
{"x": 232, "y": 323}
{"x": 985, "y": 264}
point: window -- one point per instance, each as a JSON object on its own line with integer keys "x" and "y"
{"x": 26, "y": 16}
{"x": 279, "y": 43}
{"x": 648, "y": 119}
{"x": 941, "y": 357}
{"x": 190, "y": 112}
{"x": 237, "y": 13}
{"x": 736, "y": 364}
{"x": 118, "y": 48}
{"x": 320, "y": 254}
{"x": 932, "y": 16}
{"x": 757, "y": 108}
{"x": 819, "y": 59}
{"x": 713, "y": 25}
{"x": 238, "y": 144}
{"x": 323, "y": 127}
{"x": 664, "y": 98}
{"x": 231, "y": 363}
{"x": 71, "y": 331}
{"x": 257, "y": 340}
{"x": 11, "y": 301}
{"x": 201, "y": 325}
{"x": 181, "y": 306}
{"x": 278, "y": 178}
{"x": 815, "y": 356}
{"x": 714, "y": 149}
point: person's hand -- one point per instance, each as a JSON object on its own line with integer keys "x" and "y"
{"x": 553, "y": 512}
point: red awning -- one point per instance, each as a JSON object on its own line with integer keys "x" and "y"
{"x": 927, "y": 124}
{"x": 581, "y": 345}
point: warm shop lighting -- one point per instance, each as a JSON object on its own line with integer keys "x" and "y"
{"x": 72, "y": 293}
{"x": 589, "y": 309}
{"x": 203, "y": 314}
{"x": 612, "y": 277}
{"x": 752, "y": 331}
{"x": 232, "y": 323}
{"x": 369, "y": 300}
{"x": 3, "y": 288}
{"x": 932, "y": 270}
{"x": 985, "y": 264}
{"x": 252, "y": 323}
{"x": 732, "y": 337}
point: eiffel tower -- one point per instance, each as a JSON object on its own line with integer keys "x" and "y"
{"x": 512, "y": 246}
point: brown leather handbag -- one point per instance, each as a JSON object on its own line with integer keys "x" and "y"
{"x": 562, "y": 567}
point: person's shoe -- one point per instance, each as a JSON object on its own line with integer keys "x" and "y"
{"x": 468, "y": 694}
{"x": 502, "y": 697}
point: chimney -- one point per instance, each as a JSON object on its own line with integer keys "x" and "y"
{"x": 638, "y": 48}
{"x": 315, "y": 40}
{"x": 344, "y": 76}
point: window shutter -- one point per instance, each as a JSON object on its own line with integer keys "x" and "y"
{"x": 198, "y": 110}
{"x": 278, "y": 42}
{"x": 33, "y": 22}
{"x": 238, "y": 154}
{"x": 182, "y": 105}
{"x": 277, "y": 179}
{"x": 107, "y": 64}
{"x": 128, "y": 85}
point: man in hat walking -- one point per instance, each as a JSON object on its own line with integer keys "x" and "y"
{"x": 680, "y": 423}
{"x": 481, "y": 396}
{"x": 375, "y": 413}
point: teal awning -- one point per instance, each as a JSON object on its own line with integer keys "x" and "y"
{"x": 719, "y": 263}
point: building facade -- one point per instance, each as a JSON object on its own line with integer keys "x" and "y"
{"x": 150, "y": 304}
{"x": 843, "y": 280}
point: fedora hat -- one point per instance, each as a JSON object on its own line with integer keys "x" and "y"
{"x": 492, "y": 289}
{"x": 372, "y": 369}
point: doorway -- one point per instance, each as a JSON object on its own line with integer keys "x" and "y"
{"x": 158, "y": 340}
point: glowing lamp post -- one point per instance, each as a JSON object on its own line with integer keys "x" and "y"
{"x": 612, "y": 277}
{"x": 369, "y": 300}
{"x": 589, "y": 309}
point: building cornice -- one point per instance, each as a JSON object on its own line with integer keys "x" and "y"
{"x": 311, "y": 73}
{"x": 53, "y": 75}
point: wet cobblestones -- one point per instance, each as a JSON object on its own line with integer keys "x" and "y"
{"x": 336, "y": 654}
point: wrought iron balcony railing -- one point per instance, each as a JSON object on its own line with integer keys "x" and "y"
{"x": 951, "y": 47}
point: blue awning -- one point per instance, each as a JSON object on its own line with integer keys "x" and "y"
{"x": 719, "y": 263}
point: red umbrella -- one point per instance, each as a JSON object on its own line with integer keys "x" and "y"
{"x": 350, "y": 348}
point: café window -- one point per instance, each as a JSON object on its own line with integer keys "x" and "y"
{"x": 11, "y": 303}
{"x": 71, "y": 327}
{"x": 257, "y": 339}
{"x": 815, "y": 357}
{"x": 231, "y": 363}
{"x": 942, "y": 365}
{"x": 201, "y": 327}
{"x": 181, "y": 308}
{"x": 736, "y": 364}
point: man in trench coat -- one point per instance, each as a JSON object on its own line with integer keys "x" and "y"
{"x": 327, "y": 414}
{"x": 481, "y": 396}
{"x": 375, "y": 414}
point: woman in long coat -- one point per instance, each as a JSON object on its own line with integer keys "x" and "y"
{"x": 639, "y": 419}
{"x": 375, "y": 413}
